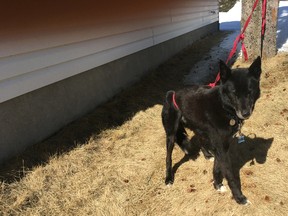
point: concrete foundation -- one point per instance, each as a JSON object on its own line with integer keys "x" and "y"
{"x": 33, "y": 117}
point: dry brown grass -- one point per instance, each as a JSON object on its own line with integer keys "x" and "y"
{"x": 112, "y": 161}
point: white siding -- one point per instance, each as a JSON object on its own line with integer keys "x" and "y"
{"x": 32, "y": 59}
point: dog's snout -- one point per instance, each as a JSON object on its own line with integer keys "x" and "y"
{"x": 246, "y": 113}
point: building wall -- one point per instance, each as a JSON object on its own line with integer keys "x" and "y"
{"x": 57, "y": 62}
{"x": 42, "y": 43}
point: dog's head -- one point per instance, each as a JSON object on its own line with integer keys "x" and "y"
{"x": 240, "y": 87}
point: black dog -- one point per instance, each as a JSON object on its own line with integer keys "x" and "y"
{"x": 216, "y": 116}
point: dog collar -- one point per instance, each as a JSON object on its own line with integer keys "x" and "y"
{"x": 234, "y": 120}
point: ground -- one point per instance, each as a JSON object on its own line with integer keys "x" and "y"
{"x": 112, "y": 161}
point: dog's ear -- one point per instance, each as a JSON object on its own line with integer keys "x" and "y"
{"x": 225, "y": 71}
{"x": 255, "y": 68}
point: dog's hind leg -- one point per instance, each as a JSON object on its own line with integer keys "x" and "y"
{"x": 190, "y": 147}
{"x": 182, "y": 139}
{"x": 170, "y": 119}
{"x": 169, "y": 148}
{"x": 207, "y": 154}
{"x": 204, "y": 144}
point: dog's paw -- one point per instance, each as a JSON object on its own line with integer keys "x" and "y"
{"x": 248, "y": 203}
{"x": 169, "y": 185}
{"x": 222, "y": 189}
{"x": 242, "y": 200}
{"x": 211, "y": 159}
{"x": 169, "y": 181}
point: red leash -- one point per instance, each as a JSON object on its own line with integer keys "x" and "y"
{"x": 264, "y": 7}
{"x": 241, "y": 37}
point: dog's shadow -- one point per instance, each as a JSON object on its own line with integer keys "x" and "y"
{"x": 254, "y": 148}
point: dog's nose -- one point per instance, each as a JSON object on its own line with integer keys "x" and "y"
{"x": 246, "y": 113}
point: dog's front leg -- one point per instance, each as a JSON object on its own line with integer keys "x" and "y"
{"x": 233, "y": 179}
{"x": 170, "y": 140}
{"x": 217, "y": 175}
{"x": 236, "y": 173}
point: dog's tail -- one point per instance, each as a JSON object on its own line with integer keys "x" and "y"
{"x": 170, "y": 115}
{"x": 169, "y": 96}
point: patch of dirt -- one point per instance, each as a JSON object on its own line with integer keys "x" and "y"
{"x": 112, "y": 161}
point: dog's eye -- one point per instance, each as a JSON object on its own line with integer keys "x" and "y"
{"x": 232, "y": 90}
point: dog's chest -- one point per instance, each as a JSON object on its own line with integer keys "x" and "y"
{"x": 226, "y": 126}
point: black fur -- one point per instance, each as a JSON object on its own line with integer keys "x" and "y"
{"x": 215, "y": 115}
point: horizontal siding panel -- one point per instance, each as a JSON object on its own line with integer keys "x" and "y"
{"x": 24, "y": 63}
{"x": 181, "y": 28}
{"x": 191, "y": 10}
{"x": 184, "y": 17}
{"x": 172, "y": 34}
{"x": 175, "y": 26}
{"x": 22, "y": 84}
{"x": 211, "y": 19}
{"x": 165, "y": 33}
{"x": 32, "y": 42}
{"x": 188, "y": 24}
{"x": 195, "y": 4}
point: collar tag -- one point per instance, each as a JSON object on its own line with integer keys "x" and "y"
{"x": 241, "y": 139}
{"x": 232, "y": 122}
